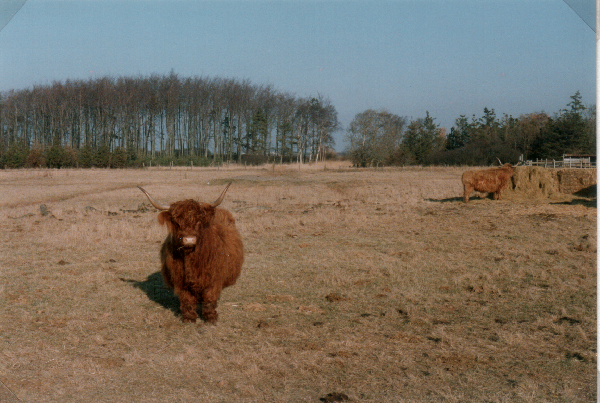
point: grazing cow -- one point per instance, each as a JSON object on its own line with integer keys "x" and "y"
{"x": 492, "y": 180}
{"x": 202, "y": 254}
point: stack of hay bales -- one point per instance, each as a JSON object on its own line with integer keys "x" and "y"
{"x": 575, "y": 180}
{"x": 538, "y": 182}
{"x": 533, "y": 182}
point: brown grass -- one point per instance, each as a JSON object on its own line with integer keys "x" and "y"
{"x": 381, "y": 285}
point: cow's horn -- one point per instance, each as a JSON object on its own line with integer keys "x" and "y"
{"x": 220, "y": 199}
{"x": 155, "y": 204}
{"x": 499, "y": 160}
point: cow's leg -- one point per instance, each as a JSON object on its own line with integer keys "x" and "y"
{"x": 172, "y": 268}
{"x": 188, "y": 305}
{"x": 496, "y": 195}
{"x": 210, "y": 297}
{"x": 468, "y": 190}
{"x": 166, "y": 275}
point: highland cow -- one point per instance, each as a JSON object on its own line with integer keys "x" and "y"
{"x": 492, "y": 180}
{"x": 202, "y": 254}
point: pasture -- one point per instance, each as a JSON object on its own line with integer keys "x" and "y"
{"x": 366, "y": 285}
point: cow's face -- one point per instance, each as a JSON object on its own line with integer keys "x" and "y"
{"x": 186, "y": 220}
{"x": 509, "y": 168}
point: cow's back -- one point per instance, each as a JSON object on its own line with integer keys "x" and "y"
{"x": 231, "y": 242}
{"x": 224, "y": 217}
{"x": 220, "y": 255}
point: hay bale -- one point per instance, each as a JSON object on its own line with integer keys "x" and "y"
{"x": 538, "y": 182}
{"x": 533, "y": 182}
{"x": 574, "y": 179}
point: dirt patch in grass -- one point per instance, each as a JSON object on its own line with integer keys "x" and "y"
{"x": 358, "y": 285}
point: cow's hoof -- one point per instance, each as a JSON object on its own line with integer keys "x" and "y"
{"x": 188, "y": 319}
{"x": 211, "y": 318}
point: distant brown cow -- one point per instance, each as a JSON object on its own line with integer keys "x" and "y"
{"x": 492, "y": 180}
{"x": 202, "y": 254}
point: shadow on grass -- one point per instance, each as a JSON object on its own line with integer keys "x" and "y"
{"x": 448, "y": 200}
{"x": 589, "y": 192}
{"x": 156, "y": 290}
{"x": 593, "y": 203}
{"x": 585, "y": 197}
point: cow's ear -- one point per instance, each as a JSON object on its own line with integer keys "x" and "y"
{"x": 164, "y": 218}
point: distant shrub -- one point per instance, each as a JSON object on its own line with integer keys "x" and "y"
{"x": 85, "y": 157}
{"x": 101, "y": 157}
{"x": 118, "y": 158}
{"x": 198, "y": 161}
{"x": 481, "y": 153}
{"x": 70, "y": 157}
{"x": 133, "y": 159}
{"x": 360, "y": 157}
{"x": 35, "y": 158}
{"x": 331, "y": 155}
{"x": 401, "y": 157}
{"x": 54, "y": 156}
{"x": 58, "y": 156}
{"x": 14, "y": 157}
{"x": 181, "y": 161}
{"x": 254, "y": 159}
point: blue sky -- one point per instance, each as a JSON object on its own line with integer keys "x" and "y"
{"x": 450, "y": 58}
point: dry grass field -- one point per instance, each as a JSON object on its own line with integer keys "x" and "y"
{"x": 365, "y": 285}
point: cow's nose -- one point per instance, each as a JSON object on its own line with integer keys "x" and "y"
{"x": 188, "y": 241}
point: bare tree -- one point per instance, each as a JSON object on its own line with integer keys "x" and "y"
{"x": 374, "y": 136}
{"x": 167, "y": 116}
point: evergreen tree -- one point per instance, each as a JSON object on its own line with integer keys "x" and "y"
{"x": 567, "y": 133}
{"x": 576, "y": 105}
{"x": 86, "y": 157}
{"x": 256, "y": 135}
{"x": 14, "y": 157}
{"x": 101, "y": 158}
{"x": 118, "y": 158}
{"x": 460, "y": 135}
{"x": 422, "y": 139}
{"x": 55, "y": 156}
{"x": 285, "y": 140}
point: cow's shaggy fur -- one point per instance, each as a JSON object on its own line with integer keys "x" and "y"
{"x": 492, "y": 180}
{"x": 202, "y": 254}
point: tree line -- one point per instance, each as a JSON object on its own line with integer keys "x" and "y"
{"x": 162, "y": 120}
{"x": 378, "y": 138}
{"x": 130, "y": 121}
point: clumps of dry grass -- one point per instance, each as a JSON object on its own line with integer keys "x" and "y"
{"x": 375, "y": 285}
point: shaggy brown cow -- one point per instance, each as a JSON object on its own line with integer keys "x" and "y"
{"x": 493, "y": 180}
{"x": 202, "y": 254}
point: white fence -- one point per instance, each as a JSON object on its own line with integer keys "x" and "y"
{"x": 565, "y": 163}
